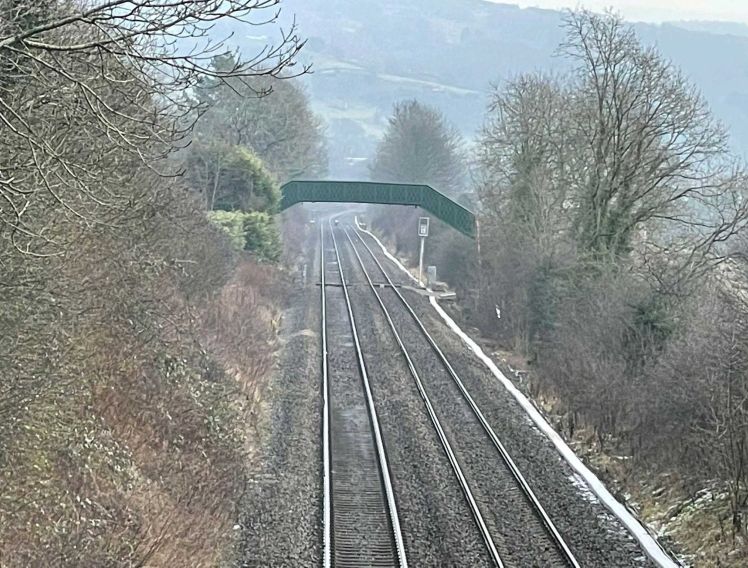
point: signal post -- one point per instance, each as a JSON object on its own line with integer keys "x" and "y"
{"x": 423, "y": 232}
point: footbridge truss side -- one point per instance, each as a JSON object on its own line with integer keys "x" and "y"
{"x": 423, "y": 196}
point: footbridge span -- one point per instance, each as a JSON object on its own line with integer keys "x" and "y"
{"x": 423, "y": 196}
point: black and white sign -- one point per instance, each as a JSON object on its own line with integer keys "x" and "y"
{"x": 423, "y": 226}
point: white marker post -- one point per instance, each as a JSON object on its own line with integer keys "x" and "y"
{"x": 423, "y": 232}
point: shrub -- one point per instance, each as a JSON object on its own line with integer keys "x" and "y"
{"x": 256, "y": 232}
{"x": 232, "y": 223}
{"x": 261, "y": 236}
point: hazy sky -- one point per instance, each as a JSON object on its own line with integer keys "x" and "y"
{"x": 654, "y": 10}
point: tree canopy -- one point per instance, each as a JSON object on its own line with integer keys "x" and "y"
{"x": 612, "y": 211}
{"x": 132, "y": 336}
{"x": 251, "y": 134}
{"x": 114, "y": 74}
{"x": 271, "y": 117}
{"x": 419, "y": 146}
{"x": 231, "y": 178}
{"x": 621, "y": 155}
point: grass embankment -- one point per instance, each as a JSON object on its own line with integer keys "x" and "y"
{"x": 132, "y": 369}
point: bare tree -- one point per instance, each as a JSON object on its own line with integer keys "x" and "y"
{"x": 524, "y": 195}
{"x": 419, "y": 146}
{"x": 694, "y": 400}
{"x": 108, "y": 270}
{"x": 606, "y": 194}
{"x": 89, "y": 85}
{"x": 619, "y": 163}
{"x": 523, "y": 153}
{"x": 652, "y": 164}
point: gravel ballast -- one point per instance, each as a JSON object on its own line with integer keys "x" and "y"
{"x": 596, "y": 537}
{"x": 437, "y": 525}
{"x": 281, "y": 513}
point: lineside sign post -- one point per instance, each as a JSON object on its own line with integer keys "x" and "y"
{"x": 423, "y": 232}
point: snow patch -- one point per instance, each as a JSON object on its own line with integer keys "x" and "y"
{"x": 584, "y": 489}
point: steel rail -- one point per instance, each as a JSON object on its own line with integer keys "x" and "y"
{"x": 506, "y": 457}
{"x": 374, "y": 420}
{"x": 464, "y": 485}
{"x": 326, "y": 474}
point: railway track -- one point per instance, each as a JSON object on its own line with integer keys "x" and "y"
{"x": 520, "y": 532}
{"x": 361, "y": 524}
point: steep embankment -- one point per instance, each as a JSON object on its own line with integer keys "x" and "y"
{"x": 132, "y": 371}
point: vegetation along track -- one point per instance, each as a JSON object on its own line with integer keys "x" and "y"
{"x": 514, "y": 525}
{"x": 361, "y": 524}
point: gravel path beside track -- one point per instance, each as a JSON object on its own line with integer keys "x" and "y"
{"x": 283, "y": 506}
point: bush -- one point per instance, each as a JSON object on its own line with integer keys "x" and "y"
{"x": 130, "y": 373}
{"x": 231, "y": 223}
{"x": 255, "y": 232}
{"x": 231, "y": 178}
{"x": 261, "y": 236}
{"x": 248, "y": 184}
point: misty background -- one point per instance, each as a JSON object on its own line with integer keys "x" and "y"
{"x": 368, "y": 54}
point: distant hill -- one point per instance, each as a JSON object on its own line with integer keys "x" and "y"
{"x": 724, "y": 28}
{"x": 367, "y": 54}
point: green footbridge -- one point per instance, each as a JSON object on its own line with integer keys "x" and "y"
{"x": 423, "y": 196}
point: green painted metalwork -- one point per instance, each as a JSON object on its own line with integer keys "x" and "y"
{"x": 421, "y": 196}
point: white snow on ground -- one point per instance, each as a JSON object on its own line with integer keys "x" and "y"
{"x": 578, "y": 482}
{"x": 639, "y": 532}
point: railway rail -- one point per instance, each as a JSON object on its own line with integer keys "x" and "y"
{"x": 361, "y": 523}
{"x": 479, "y": 437}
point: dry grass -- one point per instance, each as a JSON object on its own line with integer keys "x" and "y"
{"x": 130, "y": 445}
